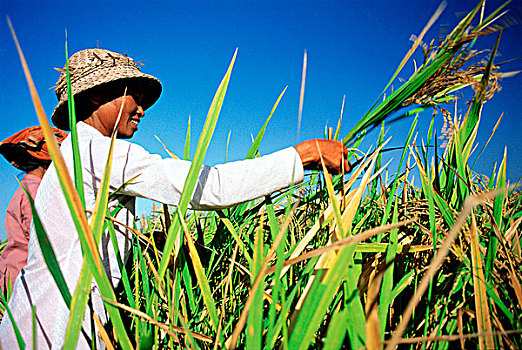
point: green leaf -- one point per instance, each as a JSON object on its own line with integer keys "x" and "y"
{"x": 192, "y": 177}
{"x": 385, "y": 299}
{"x": 255, "y": 313}
{"x": 19, "y": 339}
{"x": 77, "y": 165}
{"x": 82, "y": 291}
{"x": 48, "y": 252}
{"x": 257, "y": 141}
{"x": 186, "y": 152}
{"x": 210, "y": 303}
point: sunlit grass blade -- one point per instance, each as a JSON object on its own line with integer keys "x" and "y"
{"x": 72, "y": 199}
{"x": 48, "y": 252}
{"x": 18, "y": 335}
{"x": 498, "y": 208}
{"x": 336, "y": 136}
{"x": 33, "y": 316}
{"x": 204, "y": 140}
{"x": 301, "y": 97}
{"x": 169, "y": 152}
{"x": 186, "y": 150}
{"x": 416, "y": 43}
{"x": 232, "y": 342}
{"x": 164, "y": 327}
{"x": 200, "y": 275}
{"x": 77, "y": 165}
{"x": 489, "y": 139}
{"x": 399, "y": 169}
{"x": 385, "y": 299}
{"x": 493, "y": 16}
{"x": 481, "y": 301}
{"x": 259, "y": 137}
{"x": 372, "y": 326}
{"x": 81, "y": 293}
{"x": 236, "y": 236}
{"x": 254, "y": 312}
{"x": 253, "y": 151}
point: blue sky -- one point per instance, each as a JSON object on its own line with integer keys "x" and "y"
{"x": 353, "y": 48}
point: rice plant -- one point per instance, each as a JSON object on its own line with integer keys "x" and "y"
{"x": 361, "y": 260}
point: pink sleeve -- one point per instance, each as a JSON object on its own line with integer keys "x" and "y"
{"x": 26, "y": 213}
{"x": 18, "y": 226}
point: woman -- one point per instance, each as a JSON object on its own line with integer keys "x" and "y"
{"x": 27, "y": 151}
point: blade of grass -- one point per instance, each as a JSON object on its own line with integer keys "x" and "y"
{"x": 497, "y": 215}
{"x": 481, "y": 301}
{"x": 253, "y": 151}
{"x": 340, "y": 244}
{"x": 78, "y": 173}
{"x": 18, "y": 335}
{"x": 255, "y": 312}
{"x": 48, "y": 252}
{"x": 210, "y": 303}
{"x": 259, "y": 137}
{"x": 336, "y": 137}
{"x": 228, "y": 143}
{"x": 301, "y": 97}
{"x": 169, "y": 152}
{"x": 186, "y": 150}
{"x": 489, "y": 139}
{"x": 72, "y": 198}
{"x": 232, "y": 341}
{"x": 164, "y": 327}
{"x": 82, "y": 290}
{"x": 385, "y": 299}
{"x": 373, "y": 326}
{"x": 192, "y": 177}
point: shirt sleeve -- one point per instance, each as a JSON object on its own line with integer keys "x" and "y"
{"x": 26, "y": 213}
{"x": 221, "y": 186}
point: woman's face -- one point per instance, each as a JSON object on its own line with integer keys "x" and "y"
{"x": 105, "y": 117}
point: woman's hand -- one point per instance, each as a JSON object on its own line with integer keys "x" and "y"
{"x": 334, "y": 154}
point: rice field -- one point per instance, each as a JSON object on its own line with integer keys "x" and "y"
{"x": 366, "y": 259}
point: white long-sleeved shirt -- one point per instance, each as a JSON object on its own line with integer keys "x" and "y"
{"x": 159, "y": 179}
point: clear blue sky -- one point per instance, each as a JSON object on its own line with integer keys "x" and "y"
{"x": 353, "y": 48}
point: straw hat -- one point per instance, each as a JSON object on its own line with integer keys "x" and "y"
{"x": 27, "y": 148}
{"x": 95, "y": 67}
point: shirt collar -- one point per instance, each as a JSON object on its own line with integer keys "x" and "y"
{"x": 85, "y": 129}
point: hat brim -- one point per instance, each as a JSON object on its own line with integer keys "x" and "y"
{"x": 150, "y": 86}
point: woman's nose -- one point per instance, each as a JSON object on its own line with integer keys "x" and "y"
{"x": 140, "y": 112}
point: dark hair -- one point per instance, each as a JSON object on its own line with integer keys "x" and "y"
{"x": 19, "y": 157}
{"x": 30, "y": 166}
